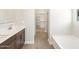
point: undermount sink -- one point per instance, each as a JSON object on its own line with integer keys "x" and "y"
{"x": 6, "y": 28}
{"x": 6, "y": 31}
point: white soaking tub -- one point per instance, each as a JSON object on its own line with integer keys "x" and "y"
{"x": 65, "y": 42}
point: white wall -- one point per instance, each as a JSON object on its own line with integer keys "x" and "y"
{"x": 29, "y": 20}
{"x": 59, "y": 21}
{"x": 75, "y": 23}
{"x": 5, "y": 17}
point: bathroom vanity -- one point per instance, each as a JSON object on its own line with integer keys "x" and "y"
{"x": 14, "y": 40}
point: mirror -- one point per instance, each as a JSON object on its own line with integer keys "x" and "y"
{"x": 77, "y": 14}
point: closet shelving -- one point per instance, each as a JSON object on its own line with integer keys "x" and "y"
{"x": 42, "y": 19}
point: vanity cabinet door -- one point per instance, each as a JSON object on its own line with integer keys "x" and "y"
{"x": 20, "y": 39}
{"x": 12, "y": 43}
{"x": 22, "y": 36}
{"x": 9, "y": 43}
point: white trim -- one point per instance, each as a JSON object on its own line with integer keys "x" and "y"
{"x": 50, "y": 41}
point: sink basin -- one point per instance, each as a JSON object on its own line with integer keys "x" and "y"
{"x": 8, "y": 30}
{"x": 5, "y": 31}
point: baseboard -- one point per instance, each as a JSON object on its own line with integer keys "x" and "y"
{"x": 29, "y": 42}
{"x": 50, "y": 41}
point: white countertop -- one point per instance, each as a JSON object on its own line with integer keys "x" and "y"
{"x": 65, "y": 41}
{"x": 5, "y": 34}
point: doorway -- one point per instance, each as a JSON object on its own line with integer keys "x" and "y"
{"x": 41, "y": 20}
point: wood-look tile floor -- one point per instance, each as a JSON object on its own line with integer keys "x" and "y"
{"x": 41, "y": 42}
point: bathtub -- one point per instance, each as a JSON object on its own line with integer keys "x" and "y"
{"x": 65, "y": 42}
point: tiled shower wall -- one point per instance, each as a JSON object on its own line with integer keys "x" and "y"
{"x": 42, "y": 19}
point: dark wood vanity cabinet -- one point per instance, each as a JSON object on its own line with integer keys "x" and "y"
{"x": 14, "y": 42}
